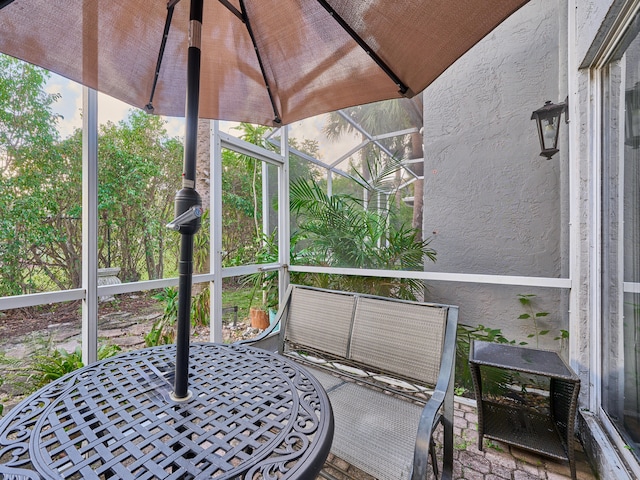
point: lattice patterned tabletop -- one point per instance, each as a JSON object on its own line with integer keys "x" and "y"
{"x": 253, "y": 415}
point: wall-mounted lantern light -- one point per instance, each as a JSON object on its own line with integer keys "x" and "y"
{"x": 632, "y": 116}
{"x": 548, "y": 121}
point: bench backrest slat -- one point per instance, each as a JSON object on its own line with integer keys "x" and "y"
{"x": 320, "y": 319}
{"x": 399, "y": 337}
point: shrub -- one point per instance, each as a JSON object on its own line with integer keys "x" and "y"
{"x": 57, "y": 363}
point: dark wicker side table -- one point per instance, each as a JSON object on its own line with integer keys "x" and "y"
{"x": 551, "y": 434}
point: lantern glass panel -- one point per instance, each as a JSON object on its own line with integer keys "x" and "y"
{"x": 550, "y": 131}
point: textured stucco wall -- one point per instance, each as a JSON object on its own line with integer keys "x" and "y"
{"x": 492, "y": 204}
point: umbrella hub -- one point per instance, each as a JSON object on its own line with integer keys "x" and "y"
{"x": 188, "y": 208}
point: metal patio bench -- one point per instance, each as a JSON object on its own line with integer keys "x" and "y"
{"x": 388, "y": 368}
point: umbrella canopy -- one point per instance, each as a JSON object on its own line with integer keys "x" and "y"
{"x": 270, "y": 62}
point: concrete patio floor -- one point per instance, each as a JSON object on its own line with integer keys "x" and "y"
{"x": 497, "y": 461}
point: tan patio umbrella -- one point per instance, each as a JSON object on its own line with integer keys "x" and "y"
{"x": 270, "y": 62}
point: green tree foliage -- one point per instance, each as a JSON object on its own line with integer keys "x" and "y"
{"x": 242, "y": 194}
{"x": 41, "y": 196}
{"x": 238, "y": 213}
{"x": 299, "y": 167}
{"x": 254, "y": 134}
{"x": 139, "y": 174}
{"x": 30, "y": 165}
{"x": 27, "y": 123}
{"x": 381, "y": 118}
{"x": 338, "y": 231}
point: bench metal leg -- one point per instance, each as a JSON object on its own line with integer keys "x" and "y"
{"x": 434, "y": 460}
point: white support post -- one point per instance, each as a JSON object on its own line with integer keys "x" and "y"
{"x": 265, "y": 207}
{"x": 576, "y": 332}
{"x": 265, "y": 198}
{"x": 215, "y": 233}
{"x": 90, "y": 225}
{"x": 284, "y": 217}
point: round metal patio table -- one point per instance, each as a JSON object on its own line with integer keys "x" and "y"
{"x": 252, "y": 414}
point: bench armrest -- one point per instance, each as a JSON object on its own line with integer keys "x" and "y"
{"x": 439, "y": 409}
{"x": 271, "y": 339}
{"x": 429, "y": 420}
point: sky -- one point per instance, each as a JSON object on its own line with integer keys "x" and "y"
{"x": 69, "y": 106}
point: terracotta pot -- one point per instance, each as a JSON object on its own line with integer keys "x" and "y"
{"x": 259, "y": 318}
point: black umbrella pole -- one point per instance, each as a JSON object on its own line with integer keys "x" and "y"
{"x": 185, "y": 200}
{"x": 185, "y": 269}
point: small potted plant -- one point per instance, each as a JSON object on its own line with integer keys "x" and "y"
{"x": 267, "y": 282}
{"x": 259, "y": 318}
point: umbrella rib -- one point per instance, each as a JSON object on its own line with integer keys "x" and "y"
{"x": 165, "y": 35}
{"x": 277, "y": 120}
{"x": 232, "y": 9}
{"x": 402, "y": 88}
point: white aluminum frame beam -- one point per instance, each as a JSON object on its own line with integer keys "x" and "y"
{"x": 284, "y": 217}
{"x": 215, "y": 233}
{"x": 90, "y": 225}
{"x": 33, "y": 299}
{"x": 376, "y": 139}
{"x": 548, "y": 282}
{"x": 245, "y": 148}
